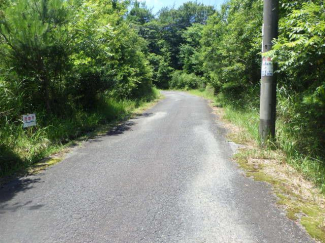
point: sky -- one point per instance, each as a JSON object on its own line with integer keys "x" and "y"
{"x": 156, "y": 5}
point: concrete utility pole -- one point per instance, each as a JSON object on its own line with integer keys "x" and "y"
{"x": 268, "y": 83}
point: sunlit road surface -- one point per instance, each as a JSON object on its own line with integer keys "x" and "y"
{"x": 165, "y": 176}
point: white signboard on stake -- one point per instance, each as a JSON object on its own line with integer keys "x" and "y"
{"x": 29, "y": 120}
{"x": 267, "y": 67}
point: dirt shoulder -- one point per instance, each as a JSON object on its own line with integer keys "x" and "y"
{"x": 301, "y": 199}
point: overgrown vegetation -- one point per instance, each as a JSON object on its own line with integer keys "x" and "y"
{"x": 76, "y": 64}
{"x": 182, "y": 80}
{"x": 171, "y": 46}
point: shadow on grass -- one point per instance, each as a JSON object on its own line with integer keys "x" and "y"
{"x": 8, "y": 159}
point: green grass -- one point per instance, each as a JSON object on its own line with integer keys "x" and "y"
{"x": 207, "y": 92}
{"x": 312, "y": 168}
{"x": 247, "y": 119}
{"x": 21, "y": 148}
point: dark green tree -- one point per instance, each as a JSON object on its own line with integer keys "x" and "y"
{"x": 140, "y": 14}
{"x": 175, "y": 21}
{"x": 36, "y": 45}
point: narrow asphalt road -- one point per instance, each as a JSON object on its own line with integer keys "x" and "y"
{"x": 165, "y": 176}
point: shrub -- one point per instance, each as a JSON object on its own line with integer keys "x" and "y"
{"x": 182, "y": 80}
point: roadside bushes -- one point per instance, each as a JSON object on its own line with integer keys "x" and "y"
{"x": 58, "y": 59}
{"x": 65, "y": 52}
{"x": 182, "y": 80}
{"x": 300, "y": 53}
{"x": 230, "y": 50}
{"x": 230, "y": 47}
{"x": 162, "y": 70}
{"x": 35, "y": 47}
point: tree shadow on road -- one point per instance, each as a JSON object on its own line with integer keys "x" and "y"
{"x": 127, "y": 125}
{"x": 120, "y": 129}
{"x": 9, "y": 190}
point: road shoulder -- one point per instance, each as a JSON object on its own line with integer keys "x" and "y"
{"x": 302, "y": 201}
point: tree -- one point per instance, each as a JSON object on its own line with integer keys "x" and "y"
{"x": 231, "y": 46}
{"x": 140, "y": 14}
{"x": 175, "y": 21}
{"x": 165, "y": 37}
{"x": 189, "y": 55}
{"x": 36, "y": 45}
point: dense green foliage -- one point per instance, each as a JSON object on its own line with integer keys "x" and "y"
{"x": 69, "y": 62}
{"x": 300, "y": 52}
{"x": 231, "y": 44}
{"x": 166, "y": 39}
{"x": 182, "y": 80}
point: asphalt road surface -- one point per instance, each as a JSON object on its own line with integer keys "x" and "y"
{"x": 165, "y": 176}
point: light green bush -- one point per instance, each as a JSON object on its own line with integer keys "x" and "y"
{"x": 182, "y": 80}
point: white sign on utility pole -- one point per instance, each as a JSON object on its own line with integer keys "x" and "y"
{"x": 29, "y": 120}
{"x": 267, "y": 67}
